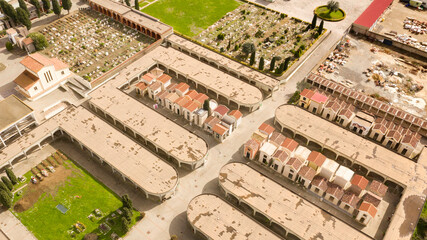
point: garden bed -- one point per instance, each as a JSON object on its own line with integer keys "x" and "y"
{"x": 324, "y": 13}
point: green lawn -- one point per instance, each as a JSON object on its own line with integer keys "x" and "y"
{"x": 420, "y": 230}
{"x": 81, "y": 194}
{"x": 190, "y": 17}
{"x": 324, "y": 13}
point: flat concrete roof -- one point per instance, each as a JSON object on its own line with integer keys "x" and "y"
{"x": 11, "y": 111}
{"x": 145, "y": 169}
{"x": 412, "y": 175}
{"x": 226, "y": 85}
{"x": 147, "y": 21}
{"x": 217, "y": 219}
{"x": 295, "y": 214}
{"x": 112, "y": 5}
{"x": 219, "y": 59}
{"x": 165, "y": 134}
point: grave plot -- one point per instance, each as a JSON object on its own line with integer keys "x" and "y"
{"x": 273, "y": 35}
{"x": 91, "y": 43}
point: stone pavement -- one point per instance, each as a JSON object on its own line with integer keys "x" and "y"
{"x": 12, "y": 228}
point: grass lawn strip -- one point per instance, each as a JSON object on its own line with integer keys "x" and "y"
{"x": 324, "y": 13}
{"x": 81, "y": 194}
{"x": 190, "y": 17}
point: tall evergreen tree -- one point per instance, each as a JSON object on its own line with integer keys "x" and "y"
{"x": 287, "y": 61}
{"x": 23, "y": 5}
{"x": 23, "y": 18}
{"x": 56, "y": 8}
{"x": 320, "y": 28}
{"x": 252, "y": 60}
{"x": 3, "y": 187}
{"x": 272, "y": 63}
{"x": 314, "y": 21}
{"x": 127, "y": 2}
{"x": 8, "y": 10}
{"x": 261, "y": 63}
{"x": 66, "y": 4}
{"x": 5, "y": 200}
{"x": 46, "y": 5}
{"x": 11, "y": 176}
{"x": 136, "y": 4}
{"x": 37, "y": 6}
{"x": 7, "y": 183}
{"x": 126, "y": 201}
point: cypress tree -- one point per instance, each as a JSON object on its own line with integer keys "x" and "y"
{"x": 125, "y": 224}
{"x": 23, "y": 5}
{"x": 272, "y": 63}
{"x": 67, "y": 4}
{"x": 23, "y": 18}
{"x": 7, "y": 183}
{"x": 252, "y": 60}
{"x": 9, "y": 11}
{"x": 46, "y": 5}
{"x": 314, "y": 21}
{"x": 11, "y": 176}
{"x": 37, "y": 6}
{"x": 127, "y": 213}
{"x": 127, "y": 2}
{"x": 5, "y": 200}
{"x": 261, "y": 64}
{"x": 136, "y": 4}
{"x": 56, "y": 8}
{"x": 126, "y": 201}
{"x": 287, "y": 60}
{"x": 4, "y": 188}
{"x": 320, "y": 28}
{"x": 229, "y": 45}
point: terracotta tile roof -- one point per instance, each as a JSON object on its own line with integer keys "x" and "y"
{"x": 335, "y": 190}
{"x": 295, "y": 163}
{"x": 378, "y": 188}
{"x": 277, "y": 138}
{"x": 163, "y": 94}
{"x": 346, "y": 112}
{"x": 200, "y": 98}
{"x": 380, "y": 127}
{"x": 148, "y": 77}
{"x": 141, "y": 86}
{"x": 290, "y": 144}
{"x": 307, "y": 172}
{"x": 172, "y": 97}
{"x": 218, "y": 128}
{"x": 26, "y": 80}
{"x": 154, "y": 86}
{"x": 307, "y": 93}
{"x": 35, "y": 62}
{"x": 182, "y": 87}
{"x": 395, "y": 135}
{"x": 281, "y": 155}
{"x": 350, "y": 198}
{"x": 320, "y": 98}
{"x": 266, "y": 128}
{"x": 259, "y": 136}
{"x": 236, "y": 114}
{"x": 320, "y": 182}
{"x": 411, "y": 139}
{"x": 171, "y": 87}
{"x": 371, "y": 198}
{"x": 58, "y": 64}
{"x": 211, "y": 120}
{"x": 181, "y": 101}
{"x": 333, "y": 105}
{"x": 192, "y": 94}
{"x": 369, "y": 208}
{"x": 191, "y": 106}
{"x": 317, "y": 158}
{"x": 222, "y": 110}
{"x": 252, "y": 144}
{"x": 27, "y": 41}
{"x": 359, "y": 181}
{"x": 164, "y": 78}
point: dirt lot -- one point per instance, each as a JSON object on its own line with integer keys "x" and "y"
{"x": 394, "y": 17}
{"x": 49, "y": 185}
{"x": 398, "y": 73}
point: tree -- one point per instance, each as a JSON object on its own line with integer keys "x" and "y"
{"x": 127, "y": 213}
{"x": 67, "y": 4}
{"x": 294, "y": 97}
{"x": 303, "y": 85}
{"x": 229, "y": 45}
{"x": 333, "y": 6}
{"x": 279, "y": 70}
{"x": 4, "y": 188}
{"x": 136, "y": 4}
{"x": 287, "y": 60}
{"x": 23, "y": 5}
{"x": 261, "y": 64}
{"x": 46, "y": 5}
{"x": 39, "y": 40}
{"x": 11, "y": 176}
{"x": 56, "y": 8}
{"x": 314, "y": 21}
{"x": 37, "y": 6}
{"x": 8, "y": 10}
{"x": 206, "y": 105}
{"x": 9, "y": 46}
{"x": 5, "y": 200}
{"x": 252, "y": 60}
{"x": 272, "y": 63}
{"x": 126, "y": 201}
{"x": 248, "y": 48}
{"x": 320, "y": 30}
{"x": 127, "y": 2}
{"x": 23, "y": 18}
{"x": 125, "y": 224}
{"x": 6, "y": 182}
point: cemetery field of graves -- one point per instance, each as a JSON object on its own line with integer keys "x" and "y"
{"x": 273, "y": 35}
{"x": 68, "y": 204}
{"x": 92, "y": 43}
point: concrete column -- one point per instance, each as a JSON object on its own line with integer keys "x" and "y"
{"x": 19, "y": 131}
{"x": 40, "y": 147}
{"x": 2, "y": 141}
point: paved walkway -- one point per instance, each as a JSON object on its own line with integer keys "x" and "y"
{"x": 12, "y": 228}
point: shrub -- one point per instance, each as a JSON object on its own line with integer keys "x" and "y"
{"x": 9, "y": 46}
{"x": 127, "y": 202}
{"x": 125, "y": 224}
{"x": 127, "y": 213}
{"x": 282, "y": 16}
{"x": 299, "y": 38}
{"x": 174, "y": 237}
{"x": 220, "y": 36}
{"x": 259, "y": 34}
{"x": 294, "y": 97}
{"x": 11, "y": 176}
{"x": 39, "y": 40}
{"x": 7, "y": 182}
